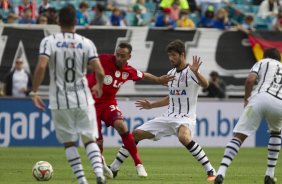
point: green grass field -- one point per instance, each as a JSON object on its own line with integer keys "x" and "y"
{"x": 164, "y": 166}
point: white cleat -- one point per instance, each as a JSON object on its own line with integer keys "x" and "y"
{"x": 108, "y": 172}
{"x": 141, "y": 172}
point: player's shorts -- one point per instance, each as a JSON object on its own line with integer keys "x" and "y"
{"x": 262, "y": 105}
{"x": 108, "y": 113}
{"x": 70, "y": 123}
{"x": 163, "y": 126}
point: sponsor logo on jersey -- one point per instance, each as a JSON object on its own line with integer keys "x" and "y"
{"x": 117, "y": 74}
{"x": 71, "y": 45}
{"x": 124, "y": 75}
{"x": 139, "y": 74}
{"x": 178, "y": 92}
{"x": 108, "y": 80}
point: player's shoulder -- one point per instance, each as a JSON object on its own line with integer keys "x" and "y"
{"x": 107, "y": 57}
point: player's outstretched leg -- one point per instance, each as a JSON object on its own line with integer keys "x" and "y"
{"x": 94, "y": 155}
{"x": 274, "y": 146}
{"x": 199, "y": 154}
{"x": 121, "y": 156}
{"x": 74, "y": 160}
{"x": 230, "y": 152}
{"x": 130, "y": 145}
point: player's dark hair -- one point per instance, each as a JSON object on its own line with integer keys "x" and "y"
{"x": 176, "y": 46}
{"x": 125, "y": 45}
{"x": 67, "y": 17}
{"x": 272, "y": 53}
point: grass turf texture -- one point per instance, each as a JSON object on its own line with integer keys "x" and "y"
{"x": 164, "y": 166}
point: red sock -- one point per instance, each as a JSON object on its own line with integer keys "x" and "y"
{"x": 130, "y": 145}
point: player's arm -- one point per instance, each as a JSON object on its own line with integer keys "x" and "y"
{"x": 195, "y": 69}
{"x": 99, "y": 72}
{"x": 164, "y": 79}
{"x": 146, "y": 104}
{"x": 38, "y": 76}
{"x": 249, "y": 84}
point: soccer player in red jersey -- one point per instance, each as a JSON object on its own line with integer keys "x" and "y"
{"x": 117, "y": 72}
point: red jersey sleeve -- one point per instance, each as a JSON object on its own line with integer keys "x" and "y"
{"x": 135, "y": 74}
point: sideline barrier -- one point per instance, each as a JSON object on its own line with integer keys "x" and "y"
{"x": 21, "y": 124}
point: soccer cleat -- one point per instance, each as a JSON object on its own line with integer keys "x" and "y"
{"x": 269, "y": 180}
{"x": 101, "y": 180}
{"x": 141, "y": 172}
{"x": 211, "y": 175}
{"x": 219, "y": 179}
{"x": 114, "y": 172}
{"x": 108, "y": 172}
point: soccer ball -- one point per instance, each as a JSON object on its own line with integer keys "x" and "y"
{"x": 42, "y": 171}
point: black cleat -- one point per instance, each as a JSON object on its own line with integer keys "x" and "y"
{"x": 219, "y": 179}
{"x": 101, "y": 180}
{"x": 269, "y": 180}
{"x": 114, "y": 172}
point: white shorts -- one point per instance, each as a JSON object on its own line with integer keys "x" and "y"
{"x": 71, "y": 123}
{"x": 166, "y": 126}
{"x": 262, "y": 105}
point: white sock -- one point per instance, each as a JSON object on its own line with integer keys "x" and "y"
{"x": 94, "y": 155}
{"x": 121, "y": 156}
{"x": 74, "y": 160}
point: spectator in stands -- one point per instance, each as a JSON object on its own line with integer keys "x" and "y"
{"x": 6, "y": 7}
{"x": 207, "y": 20}
{"x": 27, "y": 17}
{"x": 247, "y": 26}
{"x": 268, "y": 8}
{"x": 100, "y": 19}
{"x": 20, "y": 8}
{"x": 142, "y": 6}
{"x": 221, "y": 20}
{"x": 117, "y": 18}
{"x": 278, "y": 22}
{"x": 165, "y": 19}
{"x": 204, "y": 4}
{"x": 122, "y": 5}
{"x": 18, "y": 81}
{"x": 216, "y": 86}
{"x": 43, "y": 7}
{"x": 51, "y": 15}
{"x": 42, "y": 19}
{"x": 175, "y": 10}
{"x": 168, "y": 4}
{"x": 139, "y": 19}
{"x": 12, "y": 18}
{"x": 185, "y": 21}
{"x": 82, "y": 14}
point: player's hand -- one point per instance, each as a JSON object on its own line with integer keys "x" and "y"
{"x": 38, "y": 102}
{"x": 196, "y": 63}
{"x": 143, "y": 104}
{"x": 97, "y": 91}
{"x": 164, "y": 79}
{"x": 245, "y": 103}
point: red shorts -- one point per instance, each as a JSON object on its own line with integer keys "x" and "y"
{"x": 109, "y": 114}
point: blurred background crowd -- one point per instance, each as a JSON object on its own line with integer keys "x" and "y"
{"x": 245, "y": 15}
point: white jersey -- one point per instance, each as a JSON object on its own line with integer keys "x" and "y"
{"x": 269, "y": 73}
{"x": 183, "y": 94}
{"x": 68, "y": 55}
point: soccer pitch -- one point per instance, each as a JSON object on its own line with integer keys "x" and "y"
{"x": 164, "y": 166}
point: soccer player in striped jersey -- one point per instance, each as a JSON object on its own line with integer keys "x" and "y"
{"x": 117, "y": 72}
{"x": 261, "y": 101}
{"x": 180, "y": 117}
{"x": 71, "y": 101}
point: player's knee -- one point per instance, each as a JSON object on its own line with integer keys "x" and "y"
{"x": 137, "y": 134}
{"x": 120, "y": 127}
{"x": 184, "y": 139}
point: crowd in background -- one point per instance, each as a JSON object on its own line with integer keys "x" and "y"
{"x": 221, "y": 14}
